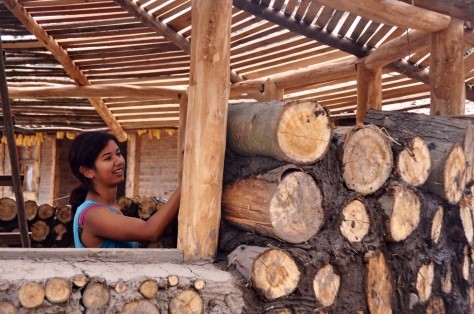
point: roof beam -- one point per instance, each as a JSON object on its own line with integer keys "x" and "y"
{"x": 393, "y": 12}
{"x": 462, "y": 9}
{"x": 68, "y": 64}
{"x": 97, "y": 91}
{"x": 174, "y": 37}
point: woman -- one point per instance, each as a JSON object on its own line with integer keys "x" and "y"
{"x": 95, "y": 159}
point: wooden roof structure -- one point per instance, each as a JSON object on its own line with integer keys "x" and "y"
{"x": 123, "y": 64}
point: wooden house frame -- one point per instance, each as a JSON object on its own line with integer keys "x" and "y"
{"x": 311, "y": 45}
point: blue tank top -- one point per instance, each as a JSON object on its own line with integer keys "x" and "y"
{"x": 77, "y": 228}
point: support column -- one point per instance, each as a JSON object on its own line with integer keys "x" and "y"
{"x": 205, "y": 139}
{"x": 369, "y": 90}
{"x": 446, "y": 70}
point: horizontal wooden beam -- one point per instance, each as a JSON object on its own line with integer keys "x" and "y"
{"x": 397, "y": 49}
{"x": 308, "y": 76}
{"x": 393, "y": 12}
{"x": 97, "y": 91}
{"x": 462, "y": 9}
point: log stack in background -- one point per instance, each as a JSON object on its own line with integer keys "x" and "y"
{"x": 382, "y": 222}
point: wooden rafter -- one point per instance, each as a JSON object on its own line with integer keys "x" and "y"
{"x": 393, "y": 12}
{"x": 462, "y": 9}
{"x": 68, "y": 64}
{"x": 98, "y": 91}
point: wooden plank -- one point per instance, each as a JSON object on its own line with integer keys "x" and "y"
{"x": 324, "y": 17}
{"x": 335, "y": 20}
{"x": 206, "y": 128}
{"x": 462, "y": 9}
{"x": 300, "y": 12}
{"x": 10, "y": 238}
{"x": 54, "y": 172}
{"x": 141, "y": 256}
{"x": 312, "y": 12}
{"x": 393, "y": 12}
{"x": 7, "y": 180}
{"x": 446, "y": 80}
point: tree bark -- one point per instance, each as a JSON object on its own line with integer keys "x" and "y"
{"x": 288, "y": 208}
{"x": 292, "y": 131}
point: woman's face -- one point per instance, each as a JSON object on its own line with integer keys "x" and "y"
{"x": 109, "y": 165}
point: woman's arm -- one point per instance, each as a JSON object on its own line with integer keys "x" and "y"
{"x": 103, "y": 223}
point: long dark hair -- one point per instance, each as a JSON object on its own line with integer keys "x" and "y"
{"x": 84, "y": 151}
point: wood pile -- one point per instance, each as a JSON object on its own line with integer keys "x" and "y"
{"x": 382, "y": 222}
{"x": 49, "y": 226}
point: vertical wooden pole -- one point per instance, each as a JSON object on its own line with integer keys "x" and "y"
{"x": 133, "y": 164}
{"x": 17, "y": 185}
{"x": 183, "y": 111}
{"x": 55, "y": 172}
{"x": 36, "y": 168}
{"x": 272, "y": 91}
{"x": 369, "y": 90}
{"x": 205, "y": 140}
{"x": 446, "y": 70}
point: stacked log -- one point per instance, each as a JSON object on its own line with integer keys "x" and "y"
{"x": 382, "y": 223}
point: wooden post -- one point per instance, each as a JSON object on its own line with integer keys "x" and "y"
{"x": 200, "y": 210}
{"x": 54, "y": 171}
{"x": 446, "y": 75}
{"x": 9, "y": 131}
{"x": 369, "y": 90}
{"x": 133, "y": 164}
{"x": 272, "y": 92}
{"x": 183, "y": 111}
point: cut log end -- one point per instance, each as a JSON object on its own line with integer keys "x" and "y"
{"x": 186, "y": 302}
{"x": 437, "y": 224}
{"x": 8, "y": 209}
{"x": 149, "y": 288}
{"x": 454, "y": 178}
{"x": 39, "y": 231}
{"x": 424, "y": 282}
{"x": 141, "y": 306}
{"x": 304, "y": 132}
{"x": 275, "y": 274}
{"x": 326, "y": 285}
{"x": 402, "y": 205}
{"x": 414, "y": 163}
{"x": 465, "y": 212}
{"x": 295, "y": 209}
{"x": 57, "y": 290}
{"x": 367, "y": 159}
{"x": 379, "y": 287}
{"x": 356, "y": 222}
{"x": 96, "y": 296}
{"x": 31, "y": 295}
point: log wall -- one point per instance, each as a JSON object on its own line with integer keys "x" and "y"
{"x": 396, "y": 247}
{"x": 113, "y": 281}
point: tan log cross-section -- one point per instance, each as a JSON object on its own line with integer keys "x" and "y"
{"x": 68, "y": 64}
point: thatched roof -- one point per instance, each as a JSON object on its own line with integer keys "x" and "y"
{"x": 137, "y": 56}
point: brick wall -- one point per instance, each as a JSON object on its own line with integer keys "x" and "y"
{"x": 158, "y": 160}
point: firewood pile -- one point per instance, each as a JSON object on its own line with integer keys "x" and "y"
{"x": 380, "y": 222}
{"x": 49, "y": 226}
